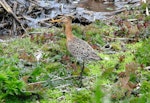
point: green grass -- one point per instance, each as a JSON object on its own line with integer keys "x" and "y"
{"x": 54, "y": 70}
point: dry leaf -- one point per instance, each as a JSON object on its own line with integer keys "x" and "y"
{"x": 133, "y": 30}
{"x": 127, "y": 24}
{"x": 121, "y": 58}
{"x": 65, "y": 58}
{"x": 131, "y": 68}
{"x": 36, "y": 86}
{"x": 28, "y": 57}
{"x": 25, "y": 78}
{"x": 132, "y": 85}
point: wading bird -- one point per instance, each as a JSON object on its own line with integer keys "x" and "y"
{"x": 79, "y": 48}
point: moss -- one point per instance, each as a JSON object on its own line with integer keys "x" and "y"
{"x": 145, "y": 87}
{"x": 93, "y": 34}
{"x": 144, "y": 5}
{"x": 21, "y": 44}
{"x": 142, "y": 99}
{"x": 52, "y": 67}
{"x": 1, "y": 49}
{"x": 82, "y": 96}
{"x": 77, "y": 30}
{"x": 142, "y": 53}
{"x": 52, "y": 96}
{"x": 9, "y": 79}
{"x": 147, "y": 18}
{"x": 116, "y": 46}
{"x": 59, "y": 84}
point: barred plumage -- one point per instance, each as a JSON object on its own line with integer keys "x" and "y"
{"x": 76, "y": 46}
{"x": 81, "y": 50}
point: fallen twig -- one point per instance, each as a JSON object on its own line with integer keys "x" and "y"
{"x": 70, "y": 77}
{"x": 9, "y": 10}
{"x": 122, "y": 39}
{"x": 3, "y": 25}
{"x": 14, "y": 23}
{"x": 62, "y": 86}
{"x": 40, "y": 82}
{"x": 117, "y": 12}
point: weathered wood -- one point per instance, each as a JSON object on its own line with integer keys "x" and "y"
{"x": 9, "y": 10}
{"x": 14, "y": 22}
{"x": 1, "y": 10}
{"x": 36, "y": 13}
{"x": 4, "y": 25}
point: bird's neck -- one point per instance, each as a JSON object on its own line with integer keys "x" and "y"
{"x": 68, "y": 31}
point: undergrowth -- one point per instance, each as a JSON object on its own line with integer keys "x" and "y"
{"x": 142, "y": 53}
{"x": 40, "y": 69}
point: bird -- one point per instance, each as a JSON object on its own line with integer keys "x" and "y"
{"x": 78, "y": 48}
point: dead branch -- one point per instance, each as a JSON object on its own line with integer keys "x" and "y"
{"x": 121, "y": 39}
{"x": 70, "y": 77}
{"x": 4, "y": 25}
{"x": 116, "y": 12}
{"x": 9, "y": 10}
{"x": 63, "y": 86}
{"x": 40, "y": 82}
{"x": 14, "y": 23}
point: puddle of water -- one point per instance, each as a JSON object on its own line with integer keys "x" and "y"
{"x": 97, "y": 6}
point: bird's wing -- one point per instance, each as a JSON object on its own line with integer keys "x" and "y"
{"x": 81, "y": 49}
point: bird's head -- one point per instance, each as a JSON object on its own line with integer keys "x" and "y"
{"x": 64, "y": 19}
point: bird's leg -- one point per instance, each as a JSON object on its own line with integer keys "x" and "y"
{"x": 82, "y": 69}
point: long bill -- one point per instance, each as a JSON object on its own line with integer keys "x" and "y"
{"x": 57, "y": 20}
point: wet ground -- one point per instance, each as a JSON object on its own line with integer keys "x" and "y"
{"x": 36, "y": 13}
{"x": 84, "y": 10}
{"x": 104, "y": 6}
{"x": 98, "y": 6}
{"x": 97, "y": 9}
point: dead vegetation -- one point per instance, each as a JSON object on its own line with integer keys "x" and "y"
{"x": 38, "y": 68}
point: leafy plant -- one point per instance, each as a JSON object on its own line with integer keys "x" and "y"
{"x": 98, "y": 93}
{"x": 9, "y": 80}
{"x": 142, "y": 53}
{"x": 82, "y": 96}
{"x": 145, "y": 88}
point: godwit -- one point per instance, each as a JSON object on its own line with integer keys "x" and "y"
{"x": 76, "y": 46}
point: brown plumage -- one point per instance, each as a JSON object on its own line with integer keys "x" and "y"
{"x": 79, "y": 48}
